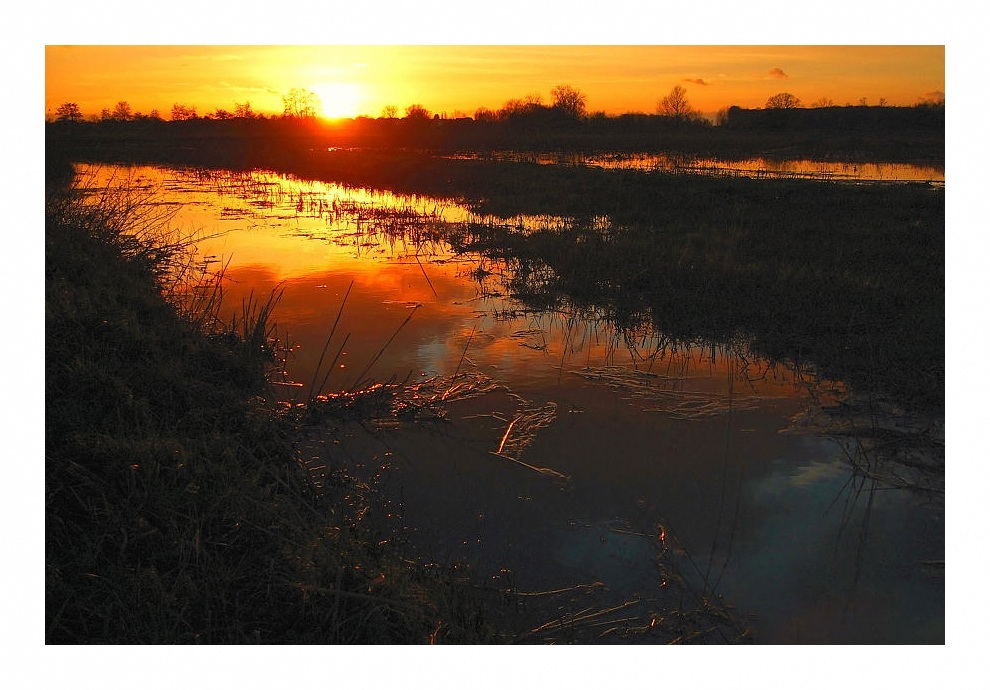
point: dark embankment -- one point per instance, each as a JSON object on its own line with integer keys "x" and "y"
{"x": 176, "y": 508}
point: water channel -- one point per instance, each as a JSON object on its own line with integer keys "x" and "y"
{"x": 600, "y": 473}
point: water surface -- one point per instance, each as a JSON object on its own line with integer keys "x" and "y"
{"x": 757, "y": 167}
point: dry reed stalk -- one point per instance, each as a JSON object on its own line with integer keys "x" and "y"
{"x": 521, "y": 432}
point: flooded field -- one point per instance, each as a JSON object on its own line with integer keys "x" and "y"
{"x": 760, "y": 168}
{"x": 607, "y": 479}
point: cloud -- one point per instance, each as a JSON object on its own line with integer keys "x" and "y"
{"x": 777, "y": 73}
{"x": 700, "y": 82}
{"x": 933, "y": 97}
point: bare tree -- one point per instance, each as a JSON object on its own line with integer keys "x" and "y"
{"x": 512, "y": 108}
{"x": 675, "y": 104}
{"x": 783, "y": 101}
{"x": 300, "y": 103}
{"x": 568, "y": 100}
{"x": 243, "y": 109}
{"x": 390, "y": 112}
{"x": 824, "y": 102}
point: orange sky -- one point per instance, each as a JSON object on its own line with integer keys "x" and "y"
{"x": 362, "y": 79}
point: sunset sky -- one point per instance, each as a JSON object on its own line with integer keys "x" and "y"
{"x": 362, "y": 79}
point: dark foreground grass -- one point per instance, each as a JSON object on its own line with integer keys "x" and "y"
{"x": 176, "y": 508}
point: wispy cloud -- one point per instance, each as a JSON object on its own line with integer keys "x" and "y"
{"x": 700, "y": 82}
{"x": 934, "y": 96}
{"x": 777, "y": 73}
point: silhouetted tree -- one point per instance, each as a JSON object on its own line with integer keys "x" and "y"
{"x": 121, "y": 111}
{"x": 300, "y": 103}
{"x": 417, "y": 112}
{"x": 183, "y": 112}
{"x": 243, "y": 110}
{"x": 68, "y": 112}
{"x": 568, "y": 101}
{"x": 523, "y": 110}
{"x": 824, "y": 102}
{"x": 512, "y": 108}
{"x": 390, "y": 112}
{"x": 484, "y": 115}
{"x": 675, "y": 104}
{"x": 783, "y": 101}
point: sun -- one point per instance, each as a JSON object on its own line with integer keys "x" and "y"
{"x": 339, "y": 99}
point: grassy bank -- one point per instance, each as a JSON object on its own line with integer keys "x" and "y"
{"x": 176, "y": 507}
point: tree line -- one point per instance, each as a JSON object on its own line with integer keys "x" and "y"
{"x": 245, "y": 137}
{"x": 567, "y": 103}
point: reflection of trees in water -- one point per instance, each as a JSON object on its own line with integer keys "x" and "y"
{"x": 883, "y": 444}
{"x": 884, "y": 449}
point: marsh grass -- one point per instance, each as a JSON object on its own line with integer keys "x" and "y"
{"x": 177, "y": 508}
{"x": 848, "y": 280}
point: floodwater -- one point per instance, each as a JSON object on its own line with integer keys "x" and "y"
{"x": 615, "y": 483}
{"x": 758, "y": 167}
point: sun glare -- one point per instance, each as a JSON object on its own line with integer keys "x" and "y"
{"x": 339, "y": 99}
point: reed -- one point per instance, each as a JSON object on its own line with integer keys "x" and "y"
{"x": 333, "y": 329}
